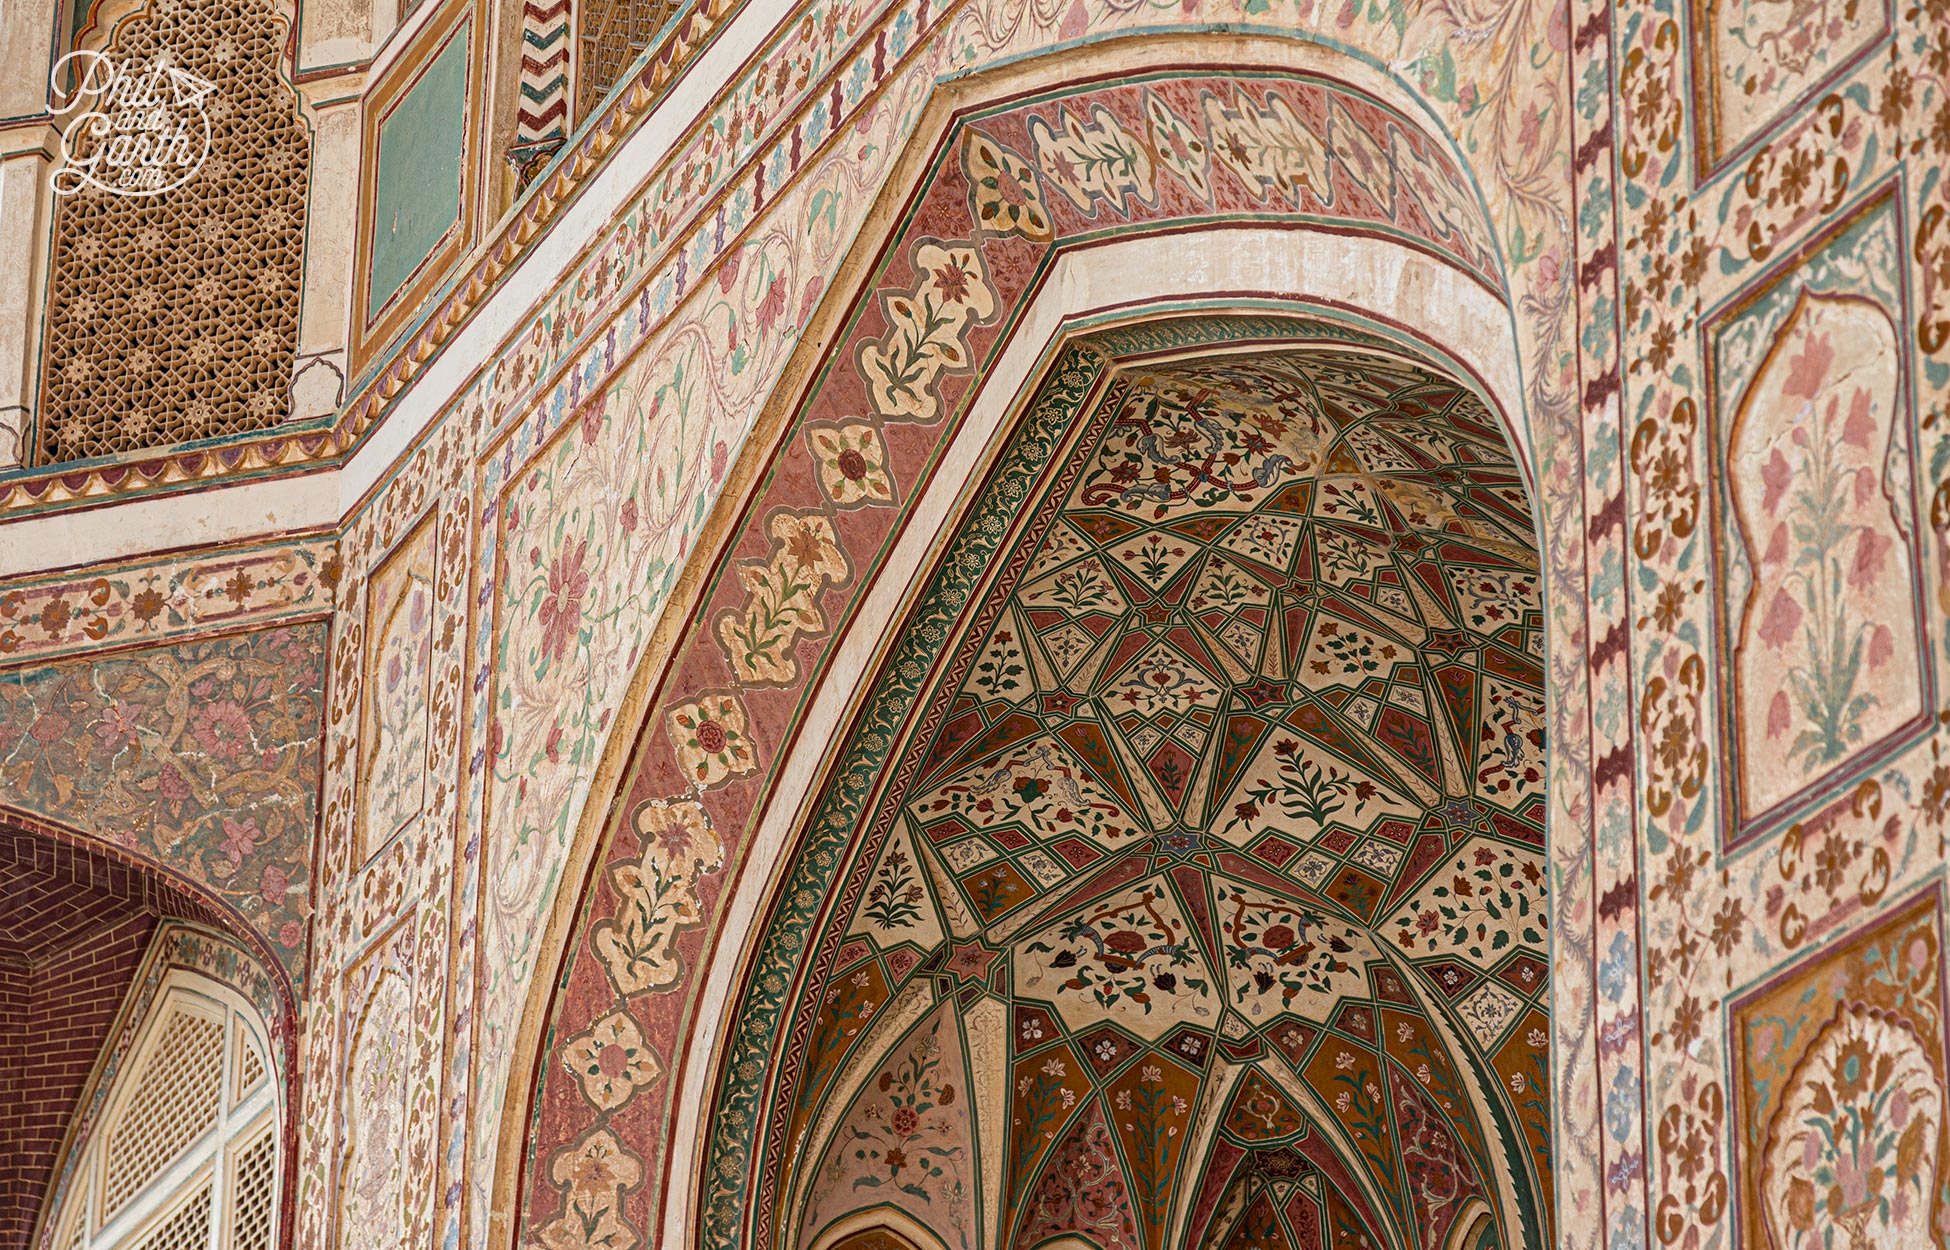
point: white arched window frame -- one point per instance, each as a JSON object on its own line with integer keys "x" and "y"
{"x": 186, "y": 1153}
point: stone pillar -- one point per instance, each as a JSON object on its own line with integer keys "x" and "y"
{"x": 318, "y": 382}
{"x": 27, "y": 155}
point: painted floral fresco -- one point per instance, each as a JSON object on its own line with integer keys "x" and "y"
{"x": 1243, "y": 552}
{"x": 201, "y": 757}
{"x": 150, "y": 601}
{"x": 1605, "y": 170}
{"x": 399, "y": 607}
{"x": 1840, "y": 1115}
{"x": 1822, "y": 618}
{"x": 1757, "y": 60}
{"x": 906, "y": 1141}
{"x": 373, "y": 1176}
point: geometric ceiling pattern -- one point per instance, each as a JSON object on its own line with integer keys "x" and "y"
{"x": 1214, "y": 912}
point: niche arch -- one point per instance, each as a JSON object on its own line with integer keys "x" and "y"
{"x": 903, "y": 987}
{"x": 186, "y": 1126}
{"x": 1331, "y": 268}
{"x": 142, "y": 923}
{"x": 880, "y": 1230}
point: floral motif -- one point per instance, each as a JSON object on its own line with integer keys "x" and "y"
{"x": 1133, "y": 953}
{"x": 1693, "y": 1184}
{"x": 173, "y": 752}
{"x": 710, "y": 740}
{"x": 782, "y": 599}
{"x": 397, "y": 682}
{"x": 1837, "y": 1061}
{"x": 1303, "y": 794}
{"x": 1272, "y": 944}
{"x": 379, "y": 1068}
{"x": 906, "y": 1139}
{"x": 45, "y": 617}
{"x": 1663, "y": 447}
{"x": 927, "y": 331}
{"x": 894, "y": 900}
{"x": 1180, "y": 147}
{"x": 1487, "y": 1012}
{"x": 1669, "y": 717}
{"x": 1151, "y": 1105}
{"x": 1003, "y": 189}
{"x": 1260, "y": 1112}
{"x": 1270, "y": 149}
{"x": 611, "y": 1061}
{"x": 1083, "y": 1189}
{"x": 657, "y": 896}
{"x": 1648, "y": 84}
{"x": 1167, "y": 454}
{"x": 1755, "y": 57}
{"x": 1447, "y": 200}
{"x": 560, "y": 613}
{"x": 852, "y": 463}
{"x": 592, "y": 1175}
{"x": 1827, "y": 649}
{"x": 1485, "y": 901}
{"x": 1093, "y": 160}
{"x": 1852, "y": 1153}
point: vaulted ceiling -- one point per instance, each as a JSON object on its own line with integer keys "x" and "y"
{"x": 1214, "y": 913}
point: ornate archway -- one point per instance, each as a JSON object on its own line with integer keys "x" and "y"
{"x": 1182, "y": 877}
{"x": 91, "y": 936}
{"x": 990, "y": 268}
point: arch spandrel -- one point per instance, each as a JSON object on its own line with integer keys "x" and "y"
{"x": 725, "y": 729}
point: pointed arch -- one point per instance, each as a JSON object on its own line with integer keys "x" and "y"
{"x": 1391, "y": 287}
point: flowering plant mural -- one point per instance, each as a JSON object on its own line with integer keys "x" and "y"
{"x": 1852, "y": 1159}
{"x": 201, "y": 756}
{"x": 1823, "y": 606}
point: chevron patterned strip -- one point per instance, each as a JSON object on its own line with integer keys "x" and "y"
{"x": 543, "y": 112}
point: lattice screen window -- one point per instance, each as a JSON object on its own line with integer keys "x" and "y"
{"x": 255, "y": 1196}
{"x": 249, "y": 1068}
{"x": 610, "y": 35}
{"x": 174, "y": 1103}
{"x": 187, "y": 1228}
{"x": 185, "y": 1156}
{"x": 174, "y": 316}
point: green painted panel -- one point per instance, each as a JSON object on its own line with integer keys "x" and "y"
{"x": 417, "y": 197}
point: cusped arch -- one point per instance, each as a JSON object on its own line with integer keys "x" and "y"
{"x": 1382, "y": 281}
{"x": 880, "y": 1230}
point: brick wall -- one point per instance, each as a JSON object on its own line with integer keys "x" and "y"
{"x": 70, "y": 1000}
{"x": 73, "y": 927}
{"x": 14, "y": 975}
